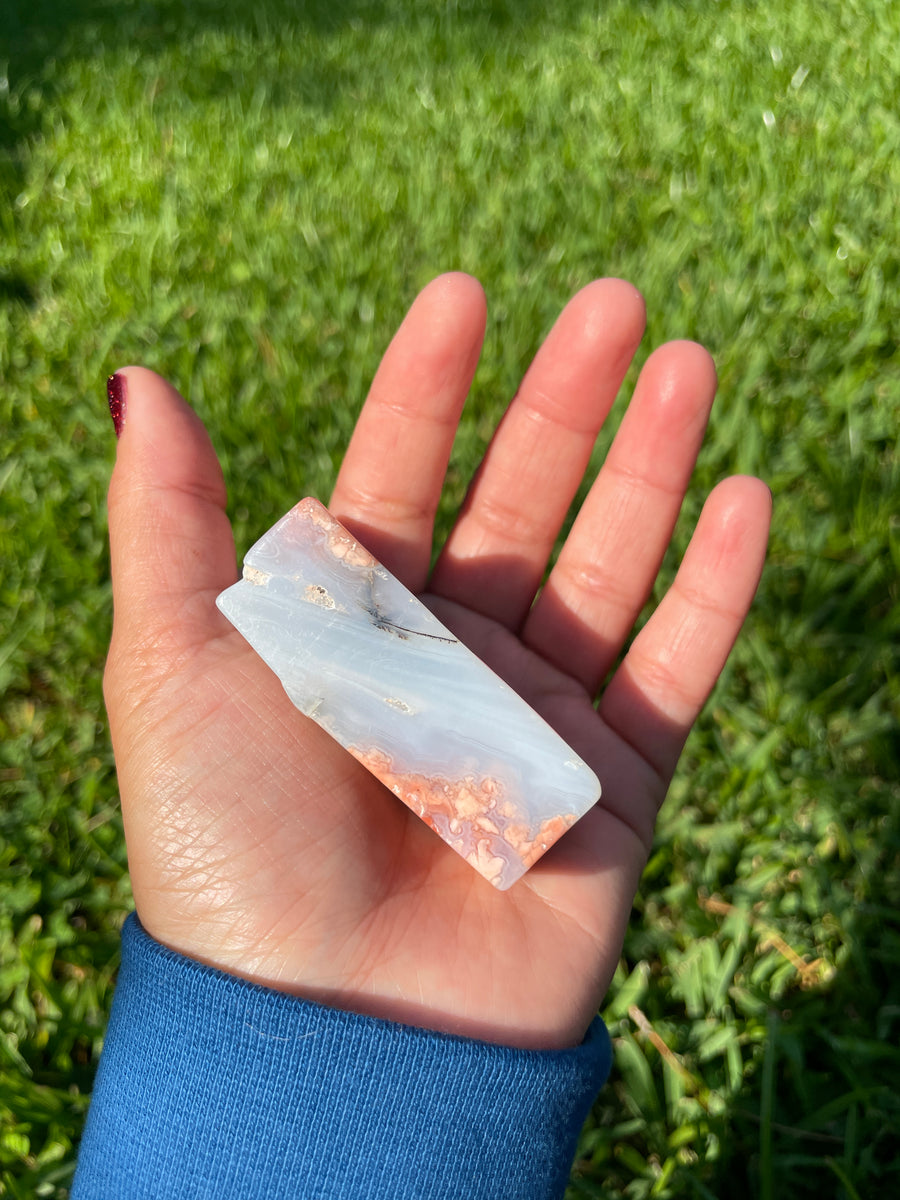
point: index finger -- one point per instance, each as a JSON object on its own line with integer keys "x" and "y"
{"x": 390, "y": 482}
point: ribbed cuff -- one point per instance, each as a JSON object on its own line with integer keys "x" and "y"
{"x": 210, "y": 1086}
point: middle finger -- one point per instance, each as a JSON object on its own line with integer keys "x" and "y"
{"x": 495, "y": 556}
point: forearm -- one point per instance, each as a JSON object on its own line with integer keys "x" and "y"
{"x": 211, "y": 1086}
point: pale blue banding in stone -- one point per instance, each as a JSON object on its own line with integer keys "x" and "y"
{"x": 360, "y": 655}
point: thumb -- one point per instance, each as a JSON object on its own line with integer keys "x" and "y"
{"x": 171, "y": 545}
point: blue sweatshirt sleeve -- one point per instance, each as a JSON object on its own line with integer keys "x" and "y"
{"x": 209, "y": 1086}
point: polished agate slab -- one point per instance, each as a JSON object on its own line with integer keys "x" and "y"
{"x": 367, "y": 661}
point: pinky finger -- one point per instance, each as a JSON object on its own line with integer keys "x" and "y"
{"x": 673, "y": 664}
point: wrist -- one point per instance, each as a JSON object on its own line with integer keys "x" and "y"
{"x": 210, "y": 1085}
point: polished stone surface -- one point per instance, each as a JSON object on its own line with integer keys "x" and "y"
{"x": 367, "y": 661}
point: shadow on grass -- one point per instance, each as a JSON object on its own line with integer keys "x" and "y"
{"x": 39, "y": 37}
{"x": 37, "y": 31}
{"x": 825, "y": 1104}
{"x": 819, "y": 1111}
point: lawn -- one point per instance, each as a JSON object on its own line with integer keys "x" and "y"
{"x": 247, "y": 197}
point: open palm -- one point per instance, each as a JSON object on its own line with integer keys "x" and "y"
{"x": 258, "y": 845}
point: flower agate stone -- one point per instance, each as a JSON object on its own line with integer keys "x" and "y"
{"x": 367, "y": 661}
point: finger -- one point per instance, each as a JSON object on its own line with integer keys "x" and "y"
{"x": 390, "y": 482}
{"x": 498, "y": 550}
{"x": 656, "y": 694}
{"x": 607, "y": 567}
{"x": 170, "y": 541}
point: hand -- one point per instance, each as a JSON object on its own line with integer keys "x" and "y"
{"x": 257, "y": 845}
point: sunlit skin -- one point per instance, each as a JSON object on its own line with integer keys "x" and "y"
{"x": 258, "y": 845}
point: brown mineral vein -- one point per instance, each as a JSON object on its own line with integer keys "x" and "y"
{"x": 470, "y": 815}
{"x": 340, "y": 543}
{"x": 255, "y": 576}
{"x": 316, "y": 594}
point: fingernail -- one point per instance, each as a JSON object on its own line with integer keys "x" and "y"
{"x": 115, "y": 393}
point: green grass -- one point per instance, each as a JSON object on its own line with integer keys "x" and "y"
{"x": 247, "y": 198}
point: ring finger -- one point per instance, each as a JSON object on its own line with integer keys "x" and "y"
{"x": 606, "y": 569}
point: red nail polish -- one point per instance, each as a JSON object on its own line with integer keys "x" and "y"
{"x": 115, "y": 393}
